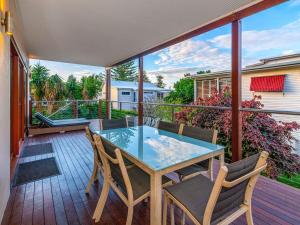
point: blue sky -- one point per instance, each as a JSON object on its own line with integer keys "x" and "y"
{"x": 273, "y": 32}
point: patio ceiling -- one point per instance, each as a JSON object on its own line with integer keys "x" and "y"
{"x": 105, "y": 32}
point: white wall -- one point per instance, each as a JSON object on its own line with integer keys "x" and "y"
{"x": 4, "y": 121}
{"x": 5, "y": 103}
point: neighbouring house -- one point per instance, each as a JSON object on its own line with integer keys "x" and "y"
{"x": 276, "y": 80}
{"x": 127, "y": 91}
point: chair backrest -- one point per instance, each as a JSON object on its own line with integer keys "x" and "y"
{"x": 234, "y": 186}
{"x": 150, "y": 121}
{"x": 171, "y": 127}
{"x": 43, "y": 119}
{"x": 107, "y": 124}
{"x": 131, "y": 121}
{"x": 200, "y": 133}
{"x": 89, "y": 134}
{"x": 114, "y": 166}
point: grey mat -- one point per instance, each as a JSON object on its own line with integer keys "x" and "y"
{"x": 38, "y": 149}
{"x": 36, "y": 170}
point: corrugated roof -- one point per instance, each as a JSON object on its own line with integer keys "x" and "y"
{"x": 134, "y": 85}
{"x": 252, "y": 68}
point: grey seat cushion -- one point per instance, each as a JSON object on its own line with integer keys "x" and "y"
{"x": 193, "y": 194}
{"x": 140, "y": 181}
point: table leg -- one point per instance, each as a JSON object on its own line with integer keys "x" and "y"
{"x": 156, "y": 199}
{"x": 221, "y": 160}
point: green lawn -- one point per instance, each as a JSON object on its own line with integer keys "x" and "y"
{"x": 292, "y": 181}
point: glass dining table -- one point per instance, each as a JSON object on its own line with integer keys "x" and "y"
{"x": 160, "y": 152}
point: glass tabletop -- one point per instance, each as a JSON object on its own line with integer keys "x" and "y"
{"x": 158, "y": 149}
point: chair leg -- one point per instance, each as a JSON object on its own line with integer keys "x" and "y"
{"x": 183, "y": 218}
{"x": 172, "y": 213}
{"x": 101, "y": 202}
{"x": 249, "y": 216}
{"x": 92, "y": 179}
{"x": 211, "y": 169}
{"x": 165, "y": 209}
{"x": 129, "y": 214}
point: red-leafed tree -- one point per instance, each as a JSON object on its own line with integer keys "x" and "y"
{"x": 259, "y": 131}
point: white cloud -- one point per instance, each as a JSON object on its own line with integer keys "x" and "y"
{"x": 171, "y": 74}
{"x": 285, "y": 38}
{"x": 194, "y": 52}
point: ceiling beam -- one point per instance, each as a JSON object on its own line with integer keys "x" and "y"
{"x": 258, "y": 7}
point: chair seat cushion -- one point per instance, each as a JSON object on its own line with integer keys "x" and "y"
{"x": 193, "y": 194}
{"x": 140, "y": 181}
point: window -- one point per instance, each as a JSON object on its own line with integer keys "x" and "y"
{"x": 160, "y": 95}
{"x": 224, "y": 82}
{"x": 126, "y": 93}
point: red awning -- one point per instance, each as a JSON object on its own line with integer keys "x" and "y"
{"x": 267, "y": 83}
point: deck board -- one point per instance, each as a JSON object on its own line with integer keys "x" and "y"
{"x": 61, "y": 199}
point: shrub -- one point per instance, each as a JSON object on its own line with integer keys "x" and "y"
{"x": 259, "y": 131}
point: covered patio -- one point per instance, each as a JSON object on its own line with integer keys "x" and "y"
{"x": 87, "y": 33}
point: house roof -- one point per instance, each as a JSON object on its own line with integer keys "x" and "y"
{"x": 263, "y": 65}
{"x": 134, "y": 86}
{"x": 106, "y": 32}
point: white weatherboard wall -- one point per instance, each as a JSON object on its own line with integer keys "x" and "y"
{"x": 5, "y": 104}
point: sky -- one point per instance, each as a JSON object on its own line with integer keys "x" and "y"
{"x": 270, "y": 33}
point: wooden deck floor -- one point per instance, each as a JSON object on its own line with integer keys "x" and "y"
{"x": 61, "y": 199}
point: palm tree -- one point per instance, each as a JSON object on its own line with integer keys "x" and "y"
{"x": 54, "y": 91}
{"x": 39, "y": 75}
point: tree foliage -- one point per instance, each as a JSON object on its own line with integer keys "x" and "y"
{"x": 145, "y": 77}
{"x": 126, "y": 72}
{"x": 204, "y": 71}
{"x": 54, "y": 90}
{"x": 91, "y": 86}
{"x": 160, "y": 81}
{"x": 183, "y": 92}
{"x": 73, "y": 88}
{"x": 39, "y": 76}
{"x": 259, "y": 131}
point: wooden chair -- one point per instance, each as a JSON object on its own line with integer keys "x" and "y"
{"x": 204, "y": 166}
{"x": 97, "y": 167}
{"x": 170, "y": 127}
{"x": 132, "y": 185}
{"x": 106, "y": 124}
{"x": 150, "y": 121}
{"x": 220, "y": 202}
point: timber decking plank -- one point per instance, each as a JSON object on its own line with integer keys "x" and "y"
{"x": 61, "y": 200}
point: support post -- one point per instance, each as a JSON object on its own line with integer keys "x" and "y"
{"x": 236, "y": 91}
{"x": 30, "y": 112}
{"x": 141, "y": 92}
{"x": 108, "y": 93}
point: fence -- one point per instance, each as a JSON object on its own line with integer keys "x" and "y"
{"x": 94, "y": 109}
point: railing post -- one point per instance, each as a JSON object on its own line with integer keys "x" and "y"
{"x": 236, "y": 91}
{"x": 108, "y": 93}
{"x": 141, "y": 92}
{"x": 173, "y": 114}
{"x": 30, "y": 112}
{"x": 100, "y": 109}
{"x": 77, "y": 109}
